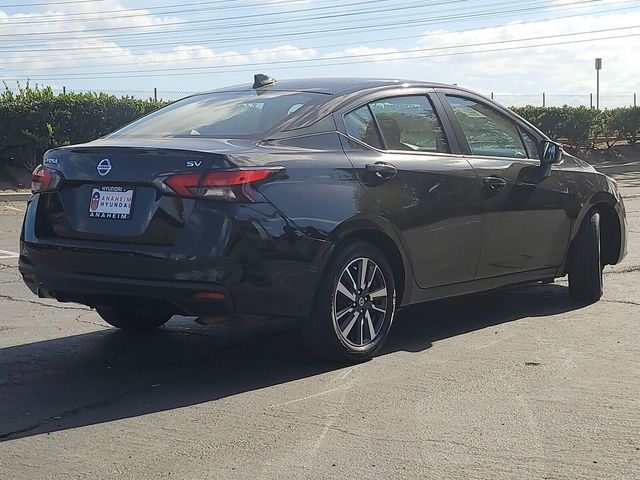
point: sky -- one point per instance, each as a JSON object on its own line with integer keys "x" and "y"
{"x": 507, "y": 47}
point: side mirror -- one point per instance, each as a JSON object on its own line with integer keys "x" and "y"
{"x": 551, "y": 152}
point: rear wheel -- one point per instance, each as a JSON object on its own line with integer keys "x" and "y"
{"x": 354, "y": 306}
{"x": 585, "y": 264}
{"x": 132, "y": 320}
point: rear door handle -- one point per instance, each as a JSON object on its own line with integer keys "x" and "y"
{"x": 381, "y": 170}
{"x": 494, "y": 184}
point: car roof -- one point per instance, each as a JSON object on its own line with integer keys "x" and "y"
{"x": 331, "y": 86}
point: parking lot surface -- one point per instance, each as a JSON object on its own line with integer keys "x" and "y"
{"x": 513, "y": 384}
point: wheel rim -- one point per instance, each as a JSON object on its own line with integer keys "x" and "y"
{"x": 360, "y": 303}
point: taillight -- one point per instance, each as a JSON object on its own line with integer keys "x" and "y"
{"x": 44, "y": 180}
{"x": 228, "y": 185}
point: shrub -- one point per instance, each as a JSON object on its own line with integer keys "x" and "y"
{"x": 33, "y": 120}
{"x": 626, "y": 123}
{"x": 577, "y": 125}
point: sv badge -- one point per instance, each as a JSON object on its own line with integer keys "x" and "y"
{"x": 194, "y": 163}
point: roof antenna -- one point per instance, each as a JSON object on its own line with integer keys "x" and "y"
{"x": 261, "y": 80}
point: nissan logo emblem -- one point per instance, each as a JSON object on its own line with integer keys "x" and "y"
{"x": 104, "y": 167}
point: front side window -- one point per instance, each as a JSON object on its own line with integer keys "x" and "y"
{"x": 531, "y": 144}
{"x": 409, "y": 123}
{"x": 488, "y": 132}
{"x": 222, "y": 114}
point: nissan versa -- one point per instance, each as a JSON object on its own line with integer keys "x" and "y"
{"x": 334, "y": 200}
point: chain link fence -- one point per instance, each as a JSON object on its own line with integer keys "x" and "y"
{"x": 551, "y": 100}
{"x": 149, "y": 94}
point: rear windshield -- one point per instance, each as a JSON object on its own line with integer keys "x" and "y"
{"x": 225, "y": 114}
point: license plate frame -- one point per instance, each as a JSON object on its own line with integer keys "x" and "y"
{"x": 110, "y": 202}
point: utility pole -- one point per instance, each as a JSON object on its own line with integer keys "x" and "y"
{"x": 598, "y": 68}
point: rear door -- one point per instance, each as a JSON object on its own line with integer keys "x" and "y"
{"x": 526, "y": 214}
{"x": 409, "y": 162}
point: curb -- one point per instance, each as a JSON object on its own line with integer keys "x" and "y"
{"x": 14, "y": 197}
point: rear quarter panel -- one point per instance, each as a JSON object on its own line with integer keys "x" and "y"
{"x": 321, "y": 194}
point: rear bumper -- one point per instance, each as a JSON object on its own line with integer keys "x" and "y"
{"x": 94, "y": 290}
{"x": 290, "y": 295}
{"x": 258, "y": 262}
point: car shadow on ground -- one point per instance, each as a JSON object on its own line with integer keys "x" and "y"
{"x": 106, "y": 375}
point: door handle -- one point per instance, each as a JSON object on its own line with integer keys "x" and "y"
{"x": 494, "y": 184}
{"x": 381, "y": 170}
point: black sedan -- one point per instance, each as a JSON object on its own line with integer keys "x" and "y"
{"x": 337, "y": 201}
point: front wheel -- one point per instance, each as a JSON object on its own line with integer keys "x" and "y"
{"x": 354, "y": 306}
{"x": 132, "y": 320}
{"x": 585, "y": 264}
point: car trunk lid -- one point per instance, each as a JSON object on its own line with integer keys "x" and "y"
{"x": 109, "y": 193}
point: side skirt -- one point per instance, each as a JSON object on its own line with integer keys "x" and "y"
{"x": 465, "y": 288}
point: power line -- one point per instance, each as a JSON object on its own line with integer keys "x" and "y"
{"x": 561, "y": 35}
{"x": 20, "y": 5}
{"x": 334, "y": 60}
{"x": 191, "y": 10}
{"x": 393, "y": 26}
{"x": 346, "y": 29}
{"x": 350, "y": 31}
{"x": 234, "y": 26}
{"x": 202, "y": 21}
{"x": 19, "y": 21}
{"x": 412, "y": 5}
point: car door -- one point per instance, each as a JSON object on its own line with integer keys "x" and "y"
{"x": 526, "y": 211}
{"x": 415, "y": 172}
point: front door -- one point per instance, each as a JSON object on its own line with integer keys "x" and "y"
{"x": 526, "y": 221}
{"x": 431, "y": 195}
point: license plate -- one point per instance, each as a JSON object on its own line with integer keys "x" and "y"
{"x": 113, "y": 203}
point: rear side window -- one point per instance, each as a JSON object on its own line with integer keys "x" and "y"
{"x": 410, "y": 123}
{"x": 488, "y": 132}
{"x": 360, "y": 125}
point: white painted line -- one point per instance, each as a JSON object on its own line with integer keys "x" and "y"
{"x": 21, "y": 210}
{"x": 7, "y": 254}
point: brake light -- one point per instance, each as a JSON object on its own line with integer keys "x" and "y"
{"x": 209, "y": 296}
{"x": 184, "y": 184}
{"x": 227, "y": 185}
{"x": 44, "y": 180}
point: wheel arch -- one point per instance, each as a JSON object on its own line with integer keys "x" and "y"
{"x": 610, "y": 233}
{"x": 381, "y": 234}
{"x": 611, "y": 228}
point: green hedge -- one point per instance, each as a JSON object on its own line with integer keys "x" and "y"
{"x": 582, "y": 126}
{"x": 33, "y": 120}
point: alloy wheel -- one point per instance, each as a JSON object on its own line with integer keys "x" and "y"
{"x": 360, "y": 303}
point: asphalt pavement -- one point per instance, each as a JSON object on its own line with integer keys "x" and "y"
{"x": 519, "y": 384}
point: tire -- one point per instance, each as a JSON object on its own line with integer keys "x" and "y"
{"x": 585, "y": 265}
{"x": 132, "y": 320}
{"x": 338, "y": 331}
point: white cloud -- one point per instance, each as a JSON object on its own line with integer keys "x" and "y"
{"x": 284, "y": 52}
{"x": 561, "y": 69}
{"x": 380, "y": 55}
{"x": 557, "y": 69}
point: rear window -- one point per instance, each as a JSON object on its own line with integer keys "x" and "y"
{"x": 225, "y": 114}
